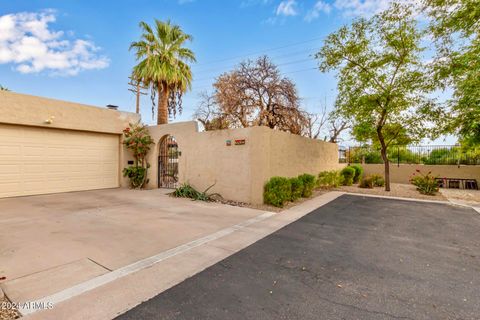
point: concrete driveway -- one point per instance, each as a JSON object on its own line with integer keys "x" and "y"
{"x": 52, "y": 242}
{"x": 354, "y": 258}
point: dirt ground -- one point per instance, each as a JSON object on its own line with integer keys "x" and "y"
{"x": 469, "y": 197}
{"x": 266, "y": 207}
{"x": 7, "y": 313}
{"x": 396, "y": 190}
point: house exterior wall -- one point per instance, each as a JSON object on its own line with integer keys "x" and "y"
{"x": 22, "y": 109}
{"x": 240, "y": 171}
{"x": 403, "y": 172}
{"x": 30, "y": 111}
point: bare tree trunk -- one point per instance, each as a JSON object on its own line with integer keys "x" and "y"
{"x": 162, "y": 113}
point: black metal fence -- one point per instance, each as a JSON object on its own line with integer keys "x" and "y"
{"x": 434, "y": 155}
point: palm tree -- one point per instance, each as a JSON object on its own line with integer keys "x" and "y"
{"x": 2, "y": 88}
{"x": 164, "y": 65}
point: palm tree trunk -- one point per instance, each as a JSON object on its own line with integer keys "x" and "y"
{"x": 162, "y": 113}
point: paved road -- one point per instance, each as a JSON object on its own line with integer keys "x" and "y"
{"x": 355, "y": 258}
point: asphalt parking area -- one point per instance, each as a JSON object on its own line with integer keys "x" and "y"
{"x": 354, "y": 258}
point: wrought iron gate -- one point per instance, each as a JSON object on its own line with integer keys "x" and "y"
{"x": 168, "y": 163}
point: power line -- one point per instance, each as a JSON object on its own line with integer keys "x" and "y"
{"x": 198, "y": 89}
{"x": 312, "y": 50}
{"x": 262, "y": 51}
{"x": 295, "y": 62}
{"x": 309, "y": 69}
{"x": 278, "y": 65}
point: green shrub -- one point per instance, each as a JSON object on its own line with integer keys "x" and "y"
{"x": 308, "y": 184}
{"x": 378, "y": 180}
{"x": 297, "y": 188}
{"x": 137, "y": 176}
{"x": 329, "y": 179}
{"x": 187, "y": 191}
{"x": 348, "y": 174}
{"x": 425, "y": 183}
{"x": 358, "y": 172}
{"x": 277, "y": 191}
{"x": 367, "y": 182}
{"x": 137, "y": 140}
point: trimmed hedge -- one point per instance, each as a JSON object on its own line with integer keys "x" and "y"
{"x": 308, "y": 184}
{"x": 348, "y": 174}
{"x": 358, "y": 172}
{"x": 329, "y": 179}
{"x": 378, "y": 180}
{"x": 367, "y": 182}
{"x": 297, "y": 188}
{"x": 277, "y": 191}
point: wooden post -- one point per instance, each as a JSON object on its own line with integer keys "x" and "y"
{"x": 135, "y": 87}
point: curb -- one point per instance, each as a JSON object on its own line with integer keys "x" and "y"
{"x": 455, "y": 203}
{"x": 399, "y": 198}
{"x": 447, "y": 202}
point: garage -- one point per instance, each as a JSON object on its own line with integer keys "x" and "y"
{"x": 39, "y": 160}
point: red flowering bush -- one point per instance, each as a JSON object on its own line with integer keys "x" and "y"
{"x": 425, "y": 183}
{"x": 138, "y": 140}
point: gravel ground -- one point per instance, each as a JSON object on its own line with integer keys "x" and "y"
{"x": 471, "y": 197}
{"x": 266, "y": 207}
{"x": 7, "y": 313}
{"x": 396, "y": 190}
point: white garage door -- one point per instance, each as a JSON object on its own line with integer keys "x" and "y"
{"x": 39, "y": 160}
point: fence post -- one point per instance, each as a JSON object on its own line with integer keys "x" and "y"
{"x": 398, "y": 156}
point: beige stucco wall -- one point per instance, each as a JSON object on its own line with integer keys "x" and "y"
{"x": 293, "y": 154}
{"x": 206, "y": 159}
{"x": 22, "y": 109}
{"x": 287, "y": 155}
{"x": 402, "y": 173}
{"x": 240, "y": 171}
{"x": 27, "y": 110}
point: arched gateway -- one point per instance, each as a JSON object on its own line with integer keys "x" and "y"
{"x": 168, "y": 162}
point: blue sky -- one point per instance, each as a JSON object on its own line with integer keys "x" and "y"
{"x": 222, "y": 30}
{"x": 80, "y": 48}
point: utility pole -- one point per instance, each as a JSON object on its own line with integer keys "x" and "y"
{"x": 138, "y": 89}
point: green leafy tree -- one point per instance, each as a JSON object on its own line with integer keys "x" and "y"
{"x": 456, "y": 29}
{"x": 382, "y": 86}
{"x": 164, "y": 65}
